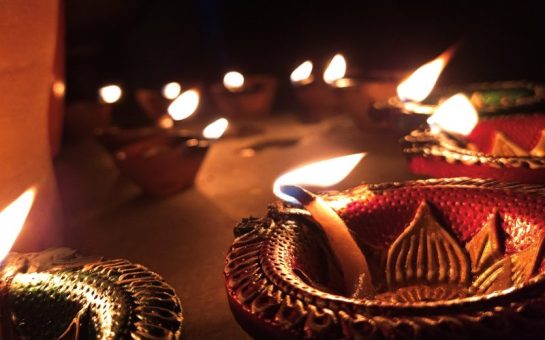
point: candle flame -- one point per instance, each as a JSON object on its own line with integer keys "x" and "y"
{"x": 421, "y": 82}
{"x": 233, "y": 81}
{"x": 336, "y": 69}
{"x": 302, "y": 73}
{"x": 172, "y": 90}
{"x": 215, "y": 129}
{"x": 110, "y": 94}
{"x": 12, "y": 219}
{"x": 319, "y": 174}
{"x": 185, "y": 105}
{"x": 456, "y": 115}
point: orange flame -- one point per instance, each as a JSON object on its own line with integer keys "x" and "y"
{"x": 456, "y": 115}
{"x": 336, "y": 69}
{"x": 421, "y": 82}
{"x": 185, "y": 105}
{"x": 12, "y": 219}
{"x": 171, "y": 90}
{"x": 233, "y": 81}
{"x": 215, "y": 129}
{"x": 319, "y": 174}
{"x": 302, "y": 73}
{"x": 110, "y": 94}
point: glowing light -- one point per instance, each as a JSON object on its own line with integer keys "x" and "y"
{"x": 165, "y": 122}
{"x": 420, "y": 83}
{"x": 456, "y": 115}
{"x": 12, "y": 219}
{"x": 110, "y": 93}
{"x": 215, "y": 129}
{"x": 319, "y": 174}
{"x": 302, "y": 73}
{"x": 233, "y": 81}
{"x": 172, "y": 90}
{"x": 58, "y": 88}
{"x": 185, "y": 105}
{"x": 335, "y": 70}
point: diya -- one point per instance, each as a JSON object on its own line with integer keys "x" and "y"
{"x": 56, "y": 294}
{"x": 505, "y": 147}
{"x": 316, "y": 97}
{"x": 163, "y": 164}
{"x": 452, "y": 258}
{"x": 244, "y": 98}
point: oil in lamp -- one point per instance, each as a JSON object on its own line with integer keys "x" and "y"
{"x": 314, "y": 94}
{"x": 242, "y": 97}
{"x": 442, "y": 258}
{"x": 56, "y": 294}
{"x": 505, "y": 147}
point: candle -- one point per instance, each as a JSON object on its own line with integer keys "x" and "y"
{"x": 12, "y": 219}
{"x": 347, "y": 254}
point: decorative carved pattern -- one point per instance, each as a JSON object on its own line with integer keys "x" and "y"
{"x": 92, "y": 298}
{"x": 265, "y": 290}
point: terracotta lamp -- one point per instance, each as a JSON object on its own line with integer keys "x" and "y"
{"x": 244, "y": 97}
{"x": 505, "y": 147}
{"x": 444, "y": 258}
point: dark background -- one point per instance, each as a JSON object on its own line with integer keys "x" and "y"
{"x": 146, "y": 43}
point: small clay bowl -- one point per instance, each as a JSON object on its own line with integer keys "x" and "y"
{"x": 442, "y": 155}
{"x": 253, "y": 101}
{"x": 164, "y": 164}
{"x": 317, "y": 99}
{"x": 472, "y": 268}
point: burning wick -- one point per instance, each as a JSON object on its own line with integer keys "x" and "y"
{"x": 335, "y": 70}
{"x": 185, "y": 105}
{"x": 302, "y": 74}
{"x": 215, "y": 129}
{"x": 233, "y": 81}
{"x": 110, "y": 94}
{"x": 12, "y": 219}
{"x": 171, "y": 90}
{"x": 352, "y": 262}
{"x": 455, "y": 116}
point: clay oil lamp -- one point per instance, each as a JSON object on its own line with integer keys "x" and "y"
{"x": 409, "y": 108}
{"x": 168, "y": 163}
{"x": 317, "y": 98}
{"x": 181, "y": 108}
{"x": 244, "y": 97}
{"x": 83, "y": 118}
{"x": 56, "y": 294}
{"x": 504, "y": 147}
{"x": 428, "y": 259}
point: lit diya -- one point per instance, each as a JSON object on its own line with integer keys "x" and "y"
{"x": 505, "y": 147}
{"x": 315, "y": 94}
{"x": 423, "y": 259}
{"x": 56, "y": 294}
{"x": 244, "y": 97}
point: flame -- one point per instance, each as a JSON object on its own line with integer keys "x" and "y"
{"x": 110, "y": 93}
{"x": 215, "y": 129}
{"x": 233, "y": 81}
{"x": 335, "y": 70}
{"x": 165, "y": 122}
{"x": 456, "y": 115}
{"x": 172, "y": 90}
{"x": 12, "y": 219}
{"x": 185, "y": 105}
{"x": 420, "y": 83}
{"x": 59, "y": 88}
{"x": 302, "y": 73}
{"x": 319, "y": 174}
